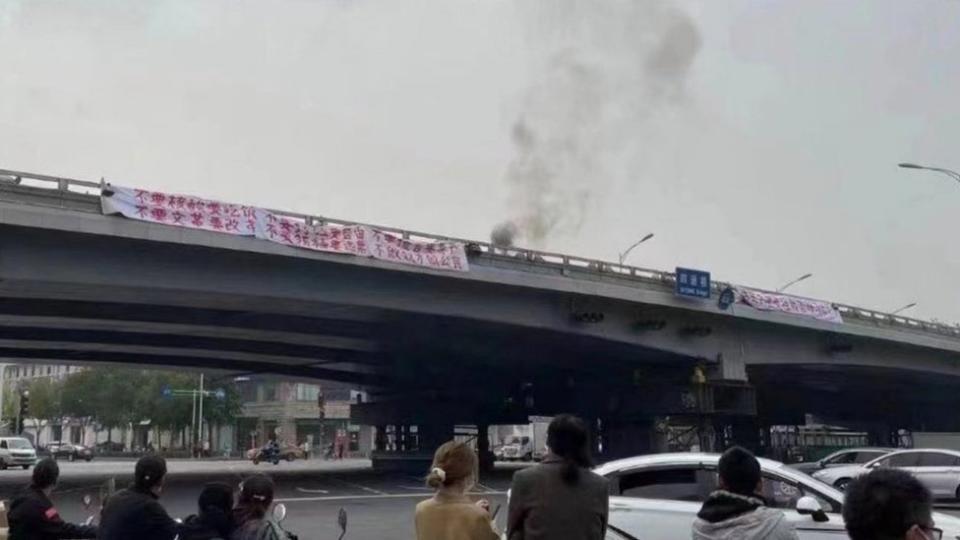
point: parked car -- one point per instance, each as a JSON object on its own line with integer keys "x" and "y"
{"x": 16, "y": 452}
{"x": 939, "y": 470}
{"x": 850, "y": 456}
{"x": 657, "y": 497}
{"x": 70, "y": 451}
{"x": 109, "y": 446}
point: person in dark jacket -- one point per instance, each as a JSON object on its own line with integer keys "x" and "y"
{"x": 215, "y": 520}
{"x": 33, "y": 516}
{"x": 135, "y": 513}
{"x": 560, "y": 498}
{"x": 889, "y": 503}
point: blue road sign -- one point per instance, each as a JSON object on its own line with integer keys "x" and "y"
{"x": 167, "y": 392}
{"x": 220, "y": 394}
{"x": 693, "y": 283}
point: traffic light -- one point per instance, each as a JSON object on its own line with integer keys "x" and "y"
{"x": 24, "y": 409}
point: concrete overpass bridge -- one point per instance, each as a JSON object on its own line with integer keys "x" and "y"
{"x": 523, "y": 332}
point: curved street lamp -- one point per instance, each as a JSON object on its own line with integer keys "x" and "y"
{"x": 623, "y": 256}
{"x": 952, "y": 174}
{"x": 794, "y": 282}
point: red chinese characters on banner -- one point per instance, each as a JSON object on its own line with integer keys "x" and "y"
{"x": 795, "y": 305}
{"x": 437, "y": 255}
{"x": 208, "y": 215}
{"x": 350, "y": 240}
{"x": 180, "y": 210}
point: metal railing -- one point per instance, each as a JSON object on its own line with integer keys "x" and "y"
{"x": 66, "y": 188}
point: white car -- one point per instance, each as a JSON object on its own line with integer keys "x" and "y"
{"x": 16, "y": 452}
{"x": 939, "y": 470}
{"x": 657, "y": 497}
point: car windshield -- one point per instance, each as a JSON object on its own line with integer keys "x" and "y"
{"x": 19, "y": 444}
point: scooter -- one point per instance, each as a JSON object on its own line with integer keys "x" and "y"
{"x": 280, "y": 513}
{"x": 87, "y": 501}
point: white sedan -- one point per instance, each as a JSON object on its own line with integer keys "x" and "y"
{"x": 657, "y": 497}
{"x": 939, "y": 470}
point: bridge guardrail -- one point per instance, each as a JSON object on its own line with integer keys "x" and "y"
{"x": 66, "y": 187}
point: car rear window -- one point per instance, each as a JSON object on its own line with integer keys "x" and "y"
{"x": 908, "y": 459}
{"x": 673, "y": 484}
{"x": 936, "y": 459}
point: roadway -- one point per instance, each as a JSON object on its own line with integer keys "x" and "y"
{"x": 378, "y": 505}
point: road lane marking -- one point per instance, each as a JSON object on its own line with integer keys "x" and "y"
{"x": 306, "y": 490}
{"x": 370, "y": 497}
{"x": 416, "y": 488}
{"x": 358, "y": 486}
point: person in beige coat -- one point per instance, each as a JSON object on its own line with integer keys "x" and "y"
{"x": 450, "y": 514}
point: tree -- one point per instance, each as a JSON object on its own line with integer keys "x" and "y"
{"x": 45, "y": 403}
{"x": 102, "y": 395}
{"x": 221, "y": 411}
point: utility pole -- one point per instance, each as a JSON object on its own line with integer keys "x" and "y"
{"x": 200, "y": 416}
{"x": 193, "y": 421}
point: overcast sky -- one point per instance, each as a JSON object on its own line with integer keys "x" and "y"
{"x": 757, "y": 139}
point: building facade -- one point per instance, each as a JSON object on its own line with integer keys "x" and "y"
{"x": 291, "y": 413}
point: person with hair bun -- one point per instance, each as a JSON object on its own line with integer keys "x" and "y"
{"x": 449, "y": 514}
{"x": 560, "y": 498}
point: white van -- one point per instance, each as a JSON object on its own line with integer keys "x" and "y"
{"x": 16, "y": 451}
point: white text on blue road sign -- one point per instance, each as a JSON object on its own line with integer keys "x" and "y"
{"x": 693, "y": 283}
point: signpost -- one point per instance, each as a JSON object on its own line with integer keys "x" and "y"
{"x": 197, "y": 397}
{"x": 692, "y": 283}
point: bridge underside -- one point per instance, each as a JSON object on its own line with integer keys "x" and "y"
{"x": 433, "y": 351}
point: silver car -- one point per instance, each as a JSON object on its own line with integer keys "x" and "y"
{"x": 849, "y": 456}
{"x": 939, "y": 470}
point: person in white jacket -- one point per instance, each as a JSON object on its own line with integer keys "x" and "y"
{"x": 736, "y": 511}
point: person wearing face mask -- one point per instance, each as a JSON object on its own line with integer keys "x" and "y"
{"x": 450, "y": 514}
{"x": 889, "y": 504}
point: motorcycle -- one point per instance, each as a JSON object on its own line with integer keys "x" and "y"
{"x": 268, "y": 453}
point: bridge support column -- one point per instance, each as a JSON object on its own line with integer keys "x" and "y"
{"x": 483, "y": 448}
{"x": 623, "y": 438}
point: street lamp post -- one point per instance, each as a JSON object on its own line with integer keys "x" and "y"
{"x": 904, "y": 308}
{"x": 952, "y": 174}
{"x": 794, "y": 282}
{"x": 623, "y": 256}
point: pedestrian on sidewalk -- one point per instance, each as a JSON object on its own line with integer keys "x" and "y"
{"x": 560, "y": 499}
{"x": 450, "y": 514}
{"x": 32, "y": 514}
{"x": 737, "y": 509}
{"x": 889, "y": 504}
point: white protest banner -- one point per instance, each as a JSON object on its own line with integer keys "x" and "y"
{"x": 793, "y": 305}
{"x": 436, "y": 255}
{"x": 349, "y": 240}
{"x": 179, "y": 210}
{"x": 216, "y": 216}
